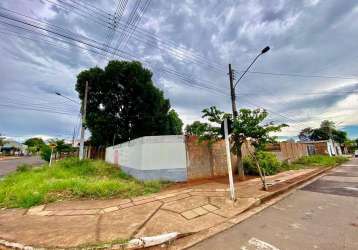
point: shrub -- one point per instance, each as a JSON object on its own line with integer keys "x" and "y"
{"x": 23, "y": 168}
{"x": 267, "y": 161}
{"x": 45, "y": 152}
{"x": 341, "y": 159}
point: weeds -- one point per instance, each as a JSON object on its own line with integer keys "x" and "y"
{"x": 70, "y": 179}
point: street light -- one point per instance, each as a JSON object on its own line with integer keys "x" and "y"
{"x": 233, "y": 95}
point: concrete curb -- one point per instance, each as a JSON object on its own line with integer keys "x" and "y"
{"x": 201, "y": 235}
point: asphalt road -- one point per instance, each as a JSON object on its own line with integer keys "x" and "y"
{"x": 7, "y": 166}
{"x": 321, "y": 215}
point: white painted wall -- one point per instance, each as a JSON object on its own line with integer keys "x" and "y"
{"x": 333, "y": 148}
{"x": 150, "y": 153}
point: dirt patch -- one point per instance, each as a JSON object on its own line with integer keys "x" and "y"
{"x": 221, "y": 180}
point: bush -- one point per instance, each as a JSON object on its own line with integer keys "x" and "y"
{"x": 45, "y": 152}
{"x": 23, "y": 168}
{"x": 267, "y": 161}
{"x": 68, "y": 179}
{"x": 340, "y": 159}
{"x": 321, "y": 160}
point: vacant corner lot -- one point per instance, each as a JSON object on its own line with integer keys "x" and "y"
{"x": 69, "y": 179}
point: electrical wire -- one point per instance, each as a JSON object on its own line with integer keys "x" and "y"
{"x": 66, "y": 36}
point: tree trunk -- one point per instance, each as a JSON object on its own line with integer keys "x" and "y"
{"x": 240, "y": 165}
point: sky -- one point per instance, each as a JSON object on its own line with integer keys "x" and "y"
{"x": 310, "y": 73}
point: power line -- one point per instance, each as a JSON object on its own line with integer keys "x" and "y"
{"x": 302, "y": 75}
{"x": 117, "y": 15}
{"x": 303, "y": 93}
{"x": 129, "y": 22}
{"x": 66, "y": 36}
{"x": 195, "y": 57}
{"x": 217, "y": 91}
{"x": 35, "y": 109}
{"x": 137, "y": 21}
{"x": 172, "y": 47}
{"x": 80, "y": 41}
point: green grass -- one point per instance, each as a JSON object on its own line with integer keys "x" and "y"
{"x": 321, "y": 160}
{"x": 271, "y": 165}
{"x": 70, "y": 179}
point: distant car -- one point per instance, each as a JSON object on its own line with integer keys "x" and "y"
{"x": 356, "y": 153}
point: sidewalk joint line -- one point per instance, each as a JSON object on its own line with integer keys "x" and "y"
{"x": 98, "y": 227}
{"x": 136, "y": 231}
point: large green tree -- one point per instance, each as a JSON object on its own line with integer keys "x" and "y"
{"x": 249, "y": 124}
{"x": 34, "y": 144}
{"x": 131, "y": 106}
{"x": 326, "y": 131}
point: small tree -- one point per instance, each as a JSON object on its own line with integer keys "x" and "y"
{"x": 60, "y": 145}
{"x": 45, "y": 152}
{"x": 247, "y": 125}
{"x": 34, "y": 144}
{"x": 199, "y": 129}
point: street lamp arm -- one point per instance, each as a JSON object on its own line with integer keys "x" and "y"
{"x": 59, "y": 94}
{"x": 263, "y": 51}
{"x": 247, "y": 69}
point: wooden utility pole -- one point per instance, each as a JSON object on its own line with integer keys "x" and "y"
{"x": 232, "y": 92}
{"x": 84, "y": 107}
{"x": 234, "y": 114}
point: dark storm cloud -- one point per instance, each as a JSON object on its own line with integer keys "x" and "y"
{"x": 306, "y": 37}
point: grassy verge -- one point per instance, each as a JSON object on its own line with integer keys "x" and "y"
{"x": 321, "y": 160}
{"x": 70, "y": 179}
{"x": 271, "y": 165}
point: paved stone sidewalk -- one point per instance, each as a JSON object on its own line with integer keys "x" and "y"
{"x": 89, "y": 222}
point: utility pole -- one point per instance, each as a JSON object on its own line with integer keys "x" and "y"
{"x": 84, "y": 106}
{"x": 73, "y": 136}
{"x": 232, "y": 92}
{"x": 228, "y": 160}
{"x": 234, "y": 114}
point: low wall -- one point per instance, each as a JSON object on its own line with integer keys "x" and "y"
{"x": 206, "y": 161}
{"x": 173, "y": 158}
{"x": 151, "y": 157}
{"x": 293, "y": 151}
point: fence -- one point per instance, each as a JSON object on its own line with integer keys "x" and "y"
{"x": 288, "y": 151}
{"x": 95, "y": 153}
{"x": 90, "y": 152}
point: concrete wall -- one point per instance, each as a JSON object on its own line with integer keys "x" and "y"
{"x": 173, "y": 158}
{"x": 151, "y": 157}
